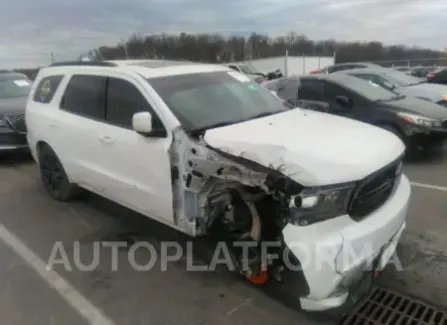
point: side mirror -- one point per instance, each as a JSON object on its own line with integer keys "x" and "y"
{"x": 344, "y": 101}
{"x": 143, "y": 124}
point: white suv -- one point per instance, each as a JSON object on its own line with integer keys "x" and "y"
{"x": 202, "y": 148}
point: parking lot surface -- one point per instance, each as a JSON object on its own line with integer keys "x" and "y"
{"x": 32, "y": 224}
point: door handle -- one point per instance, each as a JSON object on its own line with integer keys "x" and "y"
{"x": 105, "y": 139}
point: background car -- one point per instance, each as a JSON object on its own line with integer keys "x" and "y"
{"x": 417, "y": 122}
{"x": 421, "y": 71}
{"x": 249, "y": 71}
{"x": 14, "y": 91}
{"x": 348, "y": 66}
{"x": 404, "y": 69}
{"x": 438, "y": 76}
{"x": 403, "y": 84}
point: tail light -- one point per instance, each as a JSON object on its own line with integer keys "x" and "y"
{"x": 314, "y": 71}
{"x": 430, "y": 75}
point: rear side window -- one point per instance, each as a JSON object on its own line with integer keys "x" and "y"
{"x": 312, "y": 86}
{"x": 288, "y": 89}
{"x": 85, "y": 95}
{"x": 123, "y": 101}
{"x": 336, "y": 68}
{"x": 46, "y": 88}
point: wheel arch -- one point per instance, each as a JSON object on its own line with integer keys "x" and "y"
{"x": 390, "y": 125}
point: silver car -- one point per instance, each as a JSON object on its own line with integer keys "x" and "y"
{"x": 402, "y": 83}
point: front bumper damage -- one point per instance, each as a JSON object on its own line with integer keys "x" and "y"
{"x": 336, "y": 256}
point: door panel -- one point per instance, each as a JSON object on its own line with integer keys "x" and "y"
{"x": 137, "y": 169}
{"x": 137, "y": 166}
{"x": 81, "y": 114}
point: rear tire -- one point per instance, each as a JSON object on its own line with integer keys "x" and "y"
{"x": 53, "y": 176}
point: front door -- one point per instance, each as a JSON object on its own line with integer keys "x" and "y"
{"x": 137, "y": 166}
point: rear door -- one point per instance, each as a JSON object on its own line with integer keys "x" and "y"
{"x": 81, "y": 115}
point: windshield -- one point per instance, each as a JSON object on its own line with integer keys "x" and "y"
{"x": 401, "y": 78}
{"x": 247, "y": 69}
{"x": 206, "y": 100}
{"x": 14, "y": 87}
{"x": 372, "y": 91}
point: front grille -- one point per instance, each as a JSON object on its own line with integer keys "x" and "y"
{"x": 374, "y": 191}
{"x": 17, "y": 122}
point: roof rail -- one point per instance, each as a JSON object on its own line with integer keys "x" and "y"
{"x": 84, "y": 63}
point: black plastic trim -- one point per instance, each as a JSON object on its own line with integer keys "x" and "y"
{"x": 84, "y": 63}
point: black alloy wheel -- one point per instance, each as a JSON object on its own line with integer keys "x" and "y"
{"x": 53, "y": 176}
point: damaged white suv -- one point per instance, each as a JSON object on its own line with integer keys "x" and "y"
{"x": 204, "y": 149}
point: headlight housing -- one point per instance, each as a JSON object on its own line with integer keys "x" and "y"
{"x": 317, "y": 204}
{"x": 420, "y": 120}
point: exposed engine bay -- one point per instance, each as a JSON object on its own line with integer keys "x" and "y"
{"x": 234, "y": 200}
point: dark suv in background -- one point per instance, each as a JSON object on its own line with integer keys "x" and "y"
{"x": 14, "y": 91}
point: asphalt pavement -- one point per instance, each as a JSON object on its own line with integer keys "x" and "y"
{"x": 33, "y": 227}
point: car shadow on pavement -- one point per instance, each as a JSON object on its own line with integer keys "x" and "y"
{"x": 425, "y": 156}
{"x": 14, "y": 159}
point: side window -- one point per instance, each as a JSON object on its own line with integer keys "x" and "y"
{"x": 123, "y": 101}
{"x": 288, "y": 90}
{"x": 367, "y": 77}
{"x": 85, "y": 95}
{"x": 311, "y": 89}
{"x": 46, "y": 88}
{"x": 378, "y": 80}
{"x": 347, "y": 67}
{"x": 332, "y": 91}
{"x": 371, "y": 78}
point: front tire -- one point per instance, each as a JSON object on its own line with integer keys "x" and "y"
{"x": 53, "y": 176}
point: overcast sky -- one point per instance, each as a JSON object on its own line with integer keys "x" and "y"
{"x": 32, "y": 29}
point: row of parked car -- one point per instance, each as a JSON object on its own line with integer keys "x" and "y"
{"x": 433, "y": 74}
{"x": 412, "y": 108}
{"x": 417, "y": 71}
{"x": 213, "y": 154}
